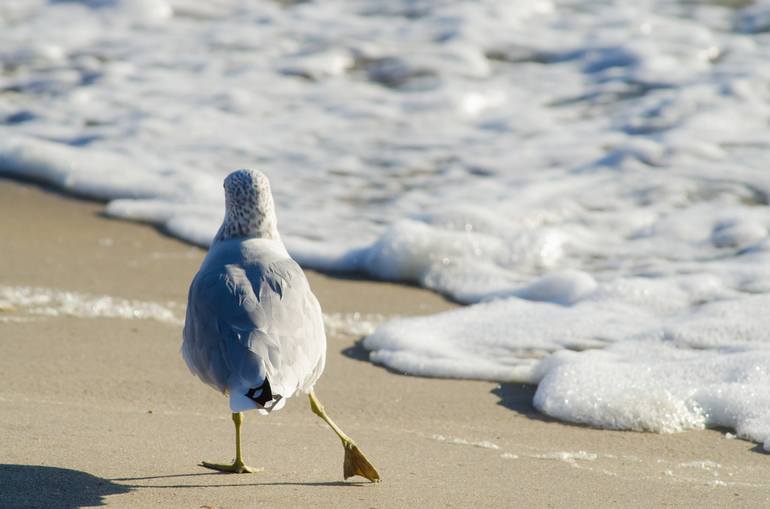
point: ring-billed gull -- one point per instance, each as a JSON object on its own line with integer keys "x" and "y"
{"x": 254, "y": 330}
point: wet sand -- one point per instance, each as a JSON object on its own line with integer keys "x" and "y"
{"x": 103, "y": 410}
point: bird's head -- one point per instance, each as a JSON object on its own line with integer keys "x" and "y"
{"x": 249, "y": 208}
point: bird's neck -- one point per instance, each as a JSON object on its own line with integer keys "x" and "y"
{"x": 256, "y": 225}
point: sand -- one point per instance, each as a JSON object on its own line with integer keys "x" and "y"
{"x": 103, "y": 410}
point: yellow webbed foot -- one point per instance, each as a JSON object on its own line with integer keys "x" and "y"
{"x": 236, "y": 467}
{"x": 356, "y": 463}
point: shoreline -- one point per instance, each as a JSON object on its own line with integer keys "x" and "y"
{"x": 104, "y": 410}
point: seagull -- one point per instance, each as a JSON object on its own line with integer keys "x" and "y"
{"x": 254, "y": 330}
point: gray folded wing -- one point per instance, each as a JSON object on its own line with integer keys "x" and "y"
{"x": 251, "y": 316}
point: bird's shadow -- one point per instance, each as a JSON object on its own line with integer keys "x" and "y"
{"x": 41, "y": 486}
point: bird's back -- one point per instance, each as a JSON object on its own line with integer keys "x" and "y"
{"x": 253, "y": 328}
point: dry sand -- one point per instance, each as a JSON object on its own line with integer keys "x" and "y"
{"x": 103, "y": 411}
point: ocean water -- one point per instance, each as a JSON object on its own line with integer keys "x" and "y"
{"x": 590, "y": 178}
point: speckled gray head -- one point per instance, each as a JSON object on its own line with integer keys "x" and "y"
{"x": 249, "y": 208}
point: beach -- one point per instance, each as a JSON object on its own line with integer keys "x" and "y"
{"x": 102, "y": 410}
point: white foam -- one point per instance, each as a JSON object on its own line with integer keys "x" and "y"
{"x": 659, "y": 388}
{"x": 687, "y": 370}
{"x": 707, "y": 465}
{"x": 484, "y": 444}
{"x": 23, "y": 303}
{"x": 352, "y": 324}
{"x": 509, "y": 338}
{"x": 568, "y": 456}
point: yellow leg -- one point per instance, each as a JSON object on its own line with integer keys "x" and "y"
{"x": 355, "y": 462}
{"x": 238, "y": 467}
